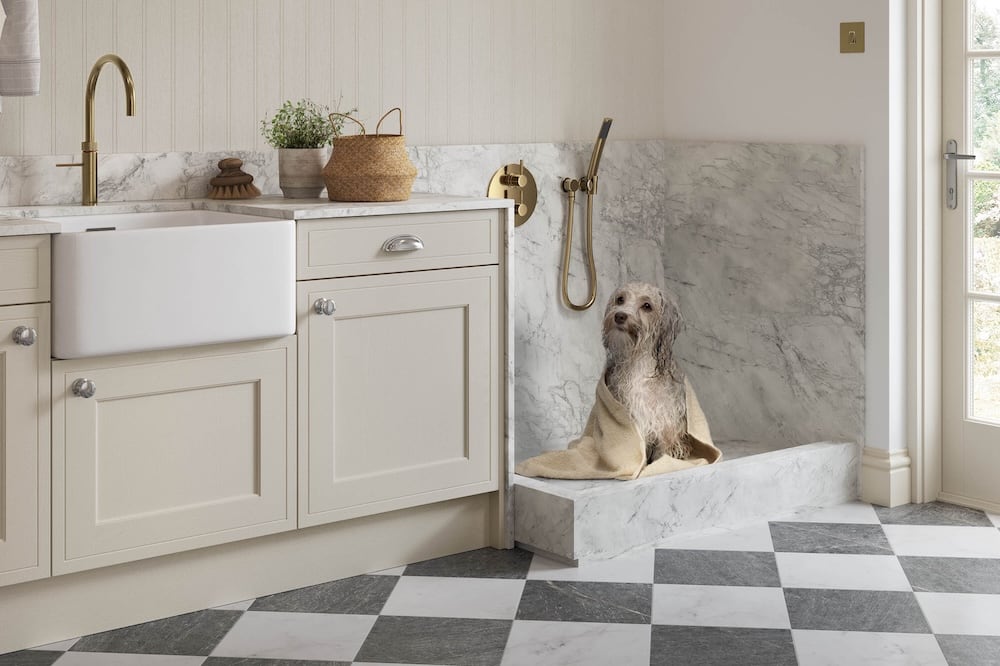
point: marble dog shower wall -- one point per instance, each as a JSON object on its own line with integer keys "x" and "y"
{"x": 762, "y": 243}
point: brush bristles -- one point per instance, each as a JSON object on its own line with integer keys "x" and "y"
{"x": 242, "y": 191}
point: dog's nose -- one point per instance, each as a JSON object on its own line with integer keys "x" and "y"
{"x": 620, "y": 317}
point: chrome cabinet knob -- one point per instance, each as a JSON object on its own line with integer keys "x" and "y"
{"x": 325, "y": 306}
{"x": 404, "y": 243}
{"x": 85, "y": 388}
{"x": 25, "y": 335}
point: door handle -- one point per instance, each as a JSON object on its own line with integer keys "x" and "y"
{"x": 951, "y": 158}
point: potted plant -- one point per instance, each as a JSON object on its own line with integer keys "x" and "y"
{"x": 302, "y": 132}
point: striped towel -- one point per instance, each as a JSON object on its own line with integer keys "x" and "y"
{"x": 20, "y": 56}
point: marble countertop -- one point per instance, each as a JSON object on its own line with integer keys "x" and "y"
{"x": 27, "y": 220}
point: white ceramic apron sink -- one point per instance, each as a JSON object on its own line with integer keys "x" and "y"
{"x": 141, "y": 281}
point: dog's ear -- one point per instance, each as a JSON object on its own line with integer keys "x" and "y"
{"x": 669, "y": 326}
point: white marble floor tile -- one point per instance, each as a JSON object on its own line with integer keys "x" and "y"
{"x": 994, "y": 518}
{"x": 478, "y": 598}
{"x": 966, "y": 614}
{"x": 851, "y": 512}
{"x": 536, "y": 643}
{"x": 841, "y": 571}
{"x": 856, "y": 648}
{"x": 720, "y": 606}
{"x": 630, "y": 568}
{"x": 239, "y": 605}
{"x": 756, "y": 537}
{"x": 318, "y": 636}
{"x": 112, "y": 659}
{"x": 943, "y": 541}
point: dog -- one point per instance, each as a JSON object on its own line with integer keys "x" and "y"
{"x": 640, "y": 325}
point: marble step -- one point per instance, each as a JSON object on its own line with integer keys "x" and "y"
{"x": 581, "y": 520}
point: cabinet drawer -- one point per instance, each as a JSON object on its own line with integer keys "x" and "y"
{"x": 24, "y": 269}
{"x": 174, "y": 451}
{"x": 354, "y": 246}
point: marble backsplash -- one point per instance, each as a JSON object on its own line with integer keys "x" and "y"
{"x": 762, "y": 243}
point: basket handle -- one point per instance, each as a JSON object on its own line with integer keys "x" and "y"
{"x": 348, "y": 117}
{"x": 379, "y": 125}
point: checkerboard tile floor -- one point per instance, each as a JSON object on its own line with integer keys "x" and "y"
{"x": 850, "y": 584}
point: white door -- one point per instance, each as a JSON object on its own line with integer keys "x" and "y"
{"x": 971, "y": 254}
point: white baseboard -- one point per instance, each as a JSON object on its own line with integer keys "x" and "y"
{"x": 885, "y": 476}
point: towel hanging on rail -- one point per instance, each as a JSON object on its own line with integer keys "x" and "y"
{"x": 20, "y": 55}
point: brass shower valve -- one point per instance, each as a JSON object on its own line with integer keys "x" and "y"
{"x": 570, "y": 185}
{"x": 514, "y": 181}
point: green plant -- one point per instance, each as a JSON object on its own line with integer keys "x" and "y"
{"x": 302, "y": 124}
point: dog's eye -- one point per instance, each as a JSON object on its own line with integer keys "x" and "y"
{"x": 647, "y": 306}
{"x": 620, "y": 300}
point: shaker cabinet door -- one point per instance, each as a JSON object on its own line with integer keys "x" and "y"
{"x": 169, "y": 451}
{"x": 397, "y": 391}
{"x": 24, "y": 443}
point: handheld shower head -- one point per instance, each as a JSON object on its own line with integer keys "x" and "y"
{"x": 595, "y": 158}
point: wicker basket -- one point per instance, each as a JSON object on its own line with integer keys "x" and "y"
{"x": 369, "y": 167}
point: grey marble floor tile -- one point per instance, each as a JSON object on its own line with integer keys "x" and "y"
{"x": 190, "y": 634}
{"x": 932, "y": 513}
{"x": 29, "y": 658}
{"x": 482, "y": 563}
{"x": 421, "y": 640}
{"x": 970, "y": 650}
{"x": 708, "y": 646}
{"x": 855, "y": 610}
{"x": 360, "y": 595}
{"x": 850, "y": 538}
{"x": 251, "y": 661}
{"x": 571, "y": 601}
{"x": 714, "y": 567}
{"x": 952, "y": 574}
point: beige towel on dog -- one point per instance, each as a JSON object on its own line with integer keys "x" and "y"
{"x": 612, "y": 448}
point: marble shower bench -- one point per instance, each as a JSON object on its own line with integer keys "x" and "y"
{"x": 581, "y": 520}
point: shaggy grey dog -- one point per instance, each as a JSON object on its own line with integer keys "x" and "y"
{"x": 641, "y": 323}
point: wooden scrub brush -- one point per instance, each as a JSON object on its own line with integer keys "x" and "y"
{"x": 233, "y": 182}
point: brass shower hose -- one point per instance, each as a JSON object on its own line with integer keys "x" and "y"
{"x": 570, "y": 186}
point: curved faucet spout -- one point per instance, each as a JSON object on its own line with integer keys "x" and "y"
{"x": 88, "y": 156}
{"x": 95, "y": 72}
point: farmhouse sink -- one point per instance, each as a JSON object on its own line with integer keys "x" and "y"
{"x": 140, "y": 281}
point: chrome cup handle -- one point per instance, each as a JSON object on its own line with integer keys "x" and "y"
{"x": 404, "y": 243}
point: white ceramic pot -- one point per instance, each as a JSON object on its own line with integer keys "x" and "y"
{"x": 300, "y": 171}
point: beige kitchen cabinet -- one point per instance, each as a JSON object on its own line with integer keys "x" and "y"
{"x": 400, "y": 395}
{"x": 24, "y": 442}
{"x": 162, "y": 452}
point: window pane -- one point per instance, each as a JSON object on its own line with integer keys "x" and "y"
{"x": 984, "y": 82}
{"x": 985, "y": 26}
{"x": 986, "y": 236}
{"x": 986, "y": 361}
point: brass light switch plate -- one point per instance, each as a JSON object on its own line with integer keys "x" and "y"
{"x": 852, "y": 37}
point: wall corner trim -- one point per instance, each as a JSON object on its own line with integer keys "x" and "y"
{"x": 885, "y": 476}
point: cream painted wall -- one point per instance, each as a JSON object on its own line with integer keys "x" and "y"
{"x": 771, "y": 70}
{"x": 464, "y": 71}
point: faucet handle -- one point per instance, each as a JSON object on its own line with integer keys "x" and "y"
{"x": 70, "y": 164}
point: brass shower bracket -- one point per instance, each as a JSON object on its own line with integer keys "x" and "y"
{"x": 514, "y": 181}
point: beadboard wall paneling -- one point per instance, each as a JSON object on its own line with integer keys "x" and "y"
{"x": 464, "y": 71}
